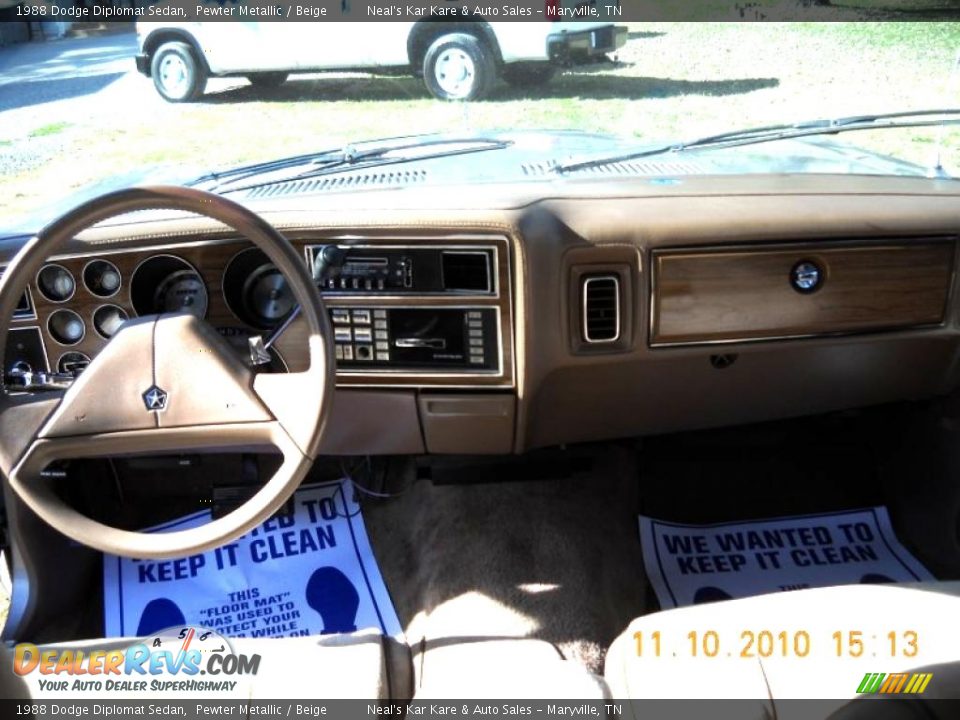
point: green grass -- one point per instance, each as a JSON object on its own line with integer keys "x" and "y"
{"x": 673, "y": 80}
{"x": 50, "y": 129}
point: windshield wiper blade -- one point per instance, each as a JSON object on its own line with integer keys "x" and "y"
{"x": 239, "y": 174}
{"x": 769, "y": 133}
{"x": 351, "y": 156}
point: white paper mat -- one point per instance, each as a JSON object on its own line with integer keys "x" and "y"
{"x": 691, "y": 564}
{"x": 310, "y": 573}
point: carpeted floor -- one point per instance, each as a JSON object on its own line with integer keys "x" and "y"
{"x": 497, "y": 553}
{"x": 557, "y": 560}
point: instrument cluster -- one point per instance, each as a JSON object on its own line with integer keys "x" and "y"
{"x": 416, "y": 311}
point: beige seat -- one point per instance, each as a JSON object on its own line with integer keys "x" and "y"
{"x": 821, "y": 644}
{"x": 359, "y": 665}
{"x": 500, "y": 668}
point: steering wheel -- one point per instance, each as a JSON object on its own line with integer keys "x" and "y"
{"x": 166, "y": 384}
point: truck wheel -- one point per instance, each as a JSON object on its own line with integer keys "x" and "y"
{"x": 528, "y": 74}
{"x": 177, "y": 74}
{"x": 458, "y": 66}
{"x": 267, "y": 79}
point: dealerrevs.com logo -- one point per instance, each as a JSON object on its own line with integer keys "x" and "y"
{"x": 173, "y": 660}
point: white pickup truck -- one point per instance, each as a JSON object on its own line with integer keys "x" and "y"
{"x": 457, "y": 60}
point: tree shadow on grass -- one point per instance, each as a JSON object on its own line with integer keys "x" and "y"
{"x": 585, "y": 86}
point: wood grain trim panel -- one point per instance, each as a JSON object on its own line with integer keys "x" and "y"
{"x": 723, "y": 296}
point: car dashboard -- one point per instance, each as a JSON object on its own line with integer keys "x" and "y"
{"x": 500, "y": 318}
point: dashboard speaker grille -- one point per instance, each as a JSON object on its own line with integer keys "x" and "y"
{"x": 629, "y": 168}
{"x": 389, "y": 178}
{"x": 601, "y": 308}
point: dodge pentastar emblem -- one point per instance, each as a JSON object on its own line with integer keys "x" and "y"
{"x": 806, "y": 277}
{"x": 155, "y": 398}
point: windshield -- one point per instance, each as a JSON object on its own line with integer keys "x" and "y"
{"x": 90, "y": 100}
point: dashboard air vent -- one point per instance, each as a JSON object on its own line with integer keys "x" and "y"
{"x": 466, "y": 271}
{"x": 390, "y": 178}
{"x": 601, "y": 308}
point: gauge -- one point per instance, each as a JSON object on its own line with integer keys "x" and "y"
{"x": 101, "y": 278}
{"x": 267, "y": 297}
{"x": 255, "y": 291}
{"x": 56, "y": 283}
{"x": 72, "y": 363}
{"x": 66, "y": 327}
{"x": 181, "y": 291}
{"x": 167, "y": 283}
{"x": 108, "y": 319}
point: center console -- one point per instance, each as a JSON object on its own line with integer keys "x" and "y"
{"x": 420, "y": 327}
{"x": 416, "y": 338}
{"x": 424, "y": 313}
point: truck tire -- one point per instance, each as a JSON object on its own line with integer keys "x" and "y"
{"x": 458, "y": 66}
{"x": 527, "y": 75}
{"x": 267, "y": 79}
{"x": 177, "y": 73}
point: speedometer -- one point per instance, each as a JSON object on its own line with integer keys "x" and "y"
{"x": 181, "y": 291}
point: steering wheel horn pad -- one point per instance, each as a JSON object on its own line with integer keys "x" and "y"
{"x": 159, "y": 371}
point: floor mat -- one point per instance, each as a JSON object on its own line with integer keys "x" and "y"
{"x": 309, "y": 572}
{"x": 693, "y": 564}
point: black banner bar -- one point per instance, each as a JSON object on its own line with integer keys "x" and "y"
{"x": 558, "y": 11}
{"x": 876, "y": 708}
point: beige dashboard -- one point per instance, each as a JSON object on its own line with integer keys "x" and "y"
{"x": 609, "y": 310}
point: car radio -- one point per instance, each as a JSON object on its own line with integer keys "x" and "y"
{"x": 408, "y": 270}
{"x": 421, "y": 338}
